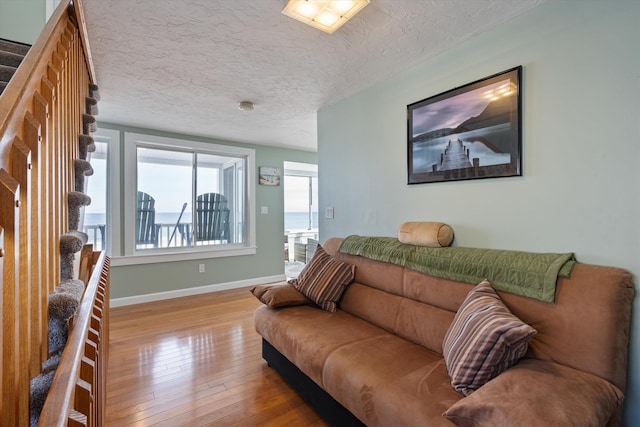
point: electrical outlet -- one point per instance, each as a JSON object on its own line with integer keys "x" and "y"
{"x": 201, "y": 268}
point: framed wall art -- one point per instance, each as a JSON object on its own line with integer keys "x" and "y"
{"x": 470, "y": 132}
{"x": 268, "y": 175}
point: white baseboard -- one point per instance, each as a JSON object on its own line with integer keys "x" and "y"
{"x": 158, "y": 296}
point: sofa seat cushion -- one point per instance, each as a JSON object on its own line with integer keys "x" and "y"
{"x": 307, "y": 335}
{"x": 381, "y": 378}
{"x": 389, "y": 381}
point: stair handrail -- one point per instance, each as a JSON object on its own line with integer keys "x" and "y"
{"x": 26, "y": 80}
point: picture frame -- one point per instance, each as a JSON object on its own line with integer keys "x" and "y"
{"x": 469, "y": 132}
{"x": 268, "y": 175}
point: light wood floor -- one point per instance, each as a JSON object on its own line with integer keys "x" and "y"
{"x": 196, "y": 361}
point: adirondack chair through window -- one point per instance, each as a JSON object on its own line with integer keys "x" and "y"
{"x": 146, "y": 229}
{"x": 212, "y": 218}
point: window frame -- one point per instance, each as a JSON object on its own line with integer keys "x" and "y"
{"x": 132, "y": 256}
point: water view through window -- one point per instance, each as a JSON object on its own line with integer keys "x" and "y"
{"x": 95, "y": 218}
{"x": 188, "y": 198}
{"x": 300, "y": 211}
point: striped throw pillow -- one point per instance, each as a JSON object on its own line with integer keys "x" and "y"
{"x": 324, "y": 279}
{"x": 484, "y": 339}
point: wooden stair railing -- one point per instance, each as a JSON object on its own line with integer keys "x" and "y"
{"x": 42, "y": 114}
{"x": 79, "y": 386}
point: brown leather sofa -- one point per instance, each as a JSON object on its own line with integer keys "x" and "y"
{"x": 378, "y": 359}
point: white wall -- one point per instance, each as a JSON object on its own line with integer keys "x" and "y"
{"x": 581, "y": 147}
{"x": 22, "y": 20}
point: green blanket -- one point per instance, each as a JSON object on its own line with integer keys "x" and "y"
{"x": 529, "y": 274}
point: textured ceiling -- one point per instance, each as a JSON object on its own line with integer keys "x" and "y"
{"x": 183, "y": 66}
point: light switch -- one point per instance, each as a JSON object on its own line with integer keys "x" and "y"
{"x": 328, "y": 214}
{"x": 264, "y": 210}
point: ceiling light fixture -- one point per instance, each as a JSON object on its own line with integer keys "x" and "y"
{"x": 325, "y": 15}
{"x": 245, "y": 105}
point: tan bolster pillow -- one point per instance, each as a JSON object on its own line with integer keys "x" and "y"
{"x": 432, "y": 234}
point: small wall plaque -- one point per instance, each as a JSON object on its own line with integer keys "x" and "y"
{"x": 269, "y": 175}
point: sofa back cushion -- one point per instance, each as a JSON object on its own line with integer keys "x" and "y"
{"x": 413, "y": 320}
{"x": 587, "y": 327}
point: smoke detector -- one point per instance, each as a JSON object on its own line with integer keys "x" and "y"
{"x": 245, "y": 105}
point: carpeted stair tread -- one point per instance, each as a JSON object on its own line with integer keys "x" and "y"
{"x": 88, "y": 124}
{"x": 65, "y": 299}
{"x": 86, "y": 145}
{"x": 14, "y": 47}
{"x": 94, "y": 91}
{"x": 6, "y": 72}
{"x": 39, "y": 389}
{"x": 91, "y": 105}
{"x": 82, "y": 168}
{"x": 70, "y": 243}
{"x": 11, "y": 55}
{"x": 76, "y": 201}
{"x": 11, "y": 59}
{"x": 58, "y": 332}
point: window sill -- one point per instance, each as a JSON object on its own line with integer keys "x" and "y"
{"x": 139, "y": 259}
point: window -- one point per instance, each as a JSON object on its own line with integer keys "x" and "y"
{"x": 300, "y": 203}
{"x": 94, "y": 218}
{"x": 300, "y": 196}
{"x": 187, "y": 197}
{"x": 300, "y": 208}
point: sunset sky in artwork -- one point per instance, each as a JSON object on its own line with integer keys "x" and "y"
{"x": 450, "y": 112}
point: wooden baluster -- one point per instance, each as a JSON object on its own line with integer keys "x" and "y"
{"x": 21, "y": 172}
{"x": 101, "y": 361}
{"x": 88, "y": 374}
{"x": 41, "y": 114}
{"x": 82, "y": 400}
{"x": 54, "y": 186}
{"x": 33, "y": 140}
{"x": 99, "y": 380}
{"x": 2, "y": 354}
{"x": 72, "y": 111}
{"x": 76, "y": 419}
{"x": 74, "y": 107}
{"x": 67, "y": 116}
{"x": 91, "y": 351}
{"x": 48, "y": 93}
{"x": 9, "y": 221}
{"x": 63, "y": 122}
{"x": 78, "y": 89}
{"x": 86, "y": 261}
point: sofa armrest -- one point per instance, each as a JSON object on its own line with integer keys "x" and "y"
{"x": 535, "y": 393}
